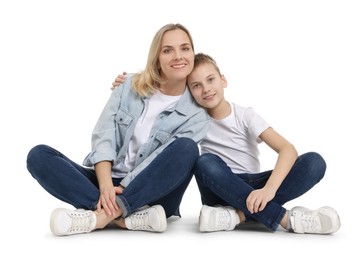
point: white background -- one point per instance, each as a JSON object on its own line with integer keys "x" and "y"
{"x": 300, "y": 64}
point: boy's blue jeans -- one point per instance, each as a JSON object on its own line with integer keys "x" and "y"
{"x": 218, "y": 185}
{"x": 162, "y": 182}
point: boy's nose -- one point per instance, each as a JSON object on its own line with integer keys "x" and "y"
{"x": 206, "y": 88}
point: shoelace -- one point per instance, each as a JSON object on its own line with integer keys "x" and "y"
{"x": 310, "y": 223}
{"x": 81, "y": 221}
{"x": 140, "y": 221}
{"x": 223, "y": 220}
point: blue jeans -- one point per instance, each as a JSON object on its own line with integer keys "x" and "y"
{"x": 218, "y": 185}
{"x": 162, "y": 182}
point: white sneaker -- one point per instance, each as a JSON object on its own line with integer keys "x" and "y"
{"x": 148, "y": 219}
{"x": 324, "y": 220}
{"x": 69, "y": 222}
{"x": 221, "y": 218}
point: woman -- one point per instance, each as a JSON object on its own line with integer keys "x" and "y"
{"x": 144, "y": 146}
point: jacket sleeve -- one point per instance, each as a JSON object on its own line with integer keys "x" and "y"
{"x": 103, "y": 141}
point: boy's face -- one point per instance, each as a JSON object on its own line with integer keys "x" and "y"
{"x": 207, "y": 86}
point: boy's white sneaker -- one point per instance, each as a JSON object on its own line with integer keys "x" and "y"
{"x": 148, "y": 219}
{"x": 218, "y": 218}
{"x": 324, "y": 220}
{"x": 69, "y": 222}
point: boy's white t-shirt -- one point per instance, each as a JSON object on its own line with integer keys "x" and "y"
{"x": 235, "y": 139}
{"x": 156, "y": 104}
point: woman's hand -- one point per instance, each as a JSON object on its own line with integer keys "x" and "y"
{"x": 107, "y": 200}
{"x": 119, "y": 190}
{"x": 108, "y": 192}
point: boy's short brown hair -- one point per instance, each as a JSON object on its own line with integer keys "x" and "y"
{"x": 201, "y": 58}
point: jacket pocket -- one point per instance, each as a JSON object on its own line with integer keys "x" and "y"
{"x": 162, "y": 137}
{"x": 123, "y": 118}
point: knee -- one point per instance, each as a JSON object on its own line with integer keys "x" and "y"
{"x": 36, "y": 155}
{"x": 316, "y": 165}
{"x": 187, "y": 146}
{"x": 35, "y": 152}
{"x": 207, "y": 164}
{"x": 205, "y": 160}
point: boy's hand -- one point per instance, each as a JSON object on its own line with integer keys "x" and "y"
{"x": 258, "y": 199}
{"x": 119, "y": 80}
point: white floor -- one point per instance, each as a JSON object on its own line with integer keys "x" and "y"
{"x": 181, "y": 241}
{"x": 27, "y": 233}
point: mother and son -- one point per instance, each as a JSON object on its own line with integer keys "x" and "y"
{"x": 145, "y": 151}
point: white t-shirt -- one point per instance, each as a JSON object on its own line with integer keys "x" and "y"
{"x": 235, "y": 139}
{"x": 154, "y": 106}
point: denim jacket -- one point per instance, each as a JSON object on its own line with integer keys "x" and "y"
{"x": 116, "y": 124}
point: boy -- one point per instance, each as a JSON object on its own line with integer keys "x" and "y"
{"x": 233, "y": 190}
{"x": 227, "y": 172}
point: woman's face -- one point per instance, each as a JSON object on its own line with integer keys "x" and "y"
{"x": 176, "y": 57}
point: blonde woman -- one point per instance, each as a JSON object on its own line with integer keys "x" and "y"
{"x": 144, "y": 146}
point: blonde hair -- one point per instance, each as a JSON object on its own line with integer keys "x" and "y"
{"x": 149, "y": 80}
{"x": 201, "y": 58}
